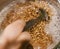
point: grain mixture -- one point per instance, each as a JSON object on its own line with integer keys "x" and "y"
{"x": 38, "y": 14}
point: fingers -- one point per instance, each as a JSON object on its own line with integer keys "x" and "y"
{"x": 3, "y": 42}
{"x": 14, "y": 46}
{"x": 25, "y": 36}
{"x": 13, "y": 30}
{"x": 23, "y": 39}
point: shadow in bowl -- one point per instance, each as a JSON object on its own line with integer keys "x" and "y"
{"x": 26, "y": 45}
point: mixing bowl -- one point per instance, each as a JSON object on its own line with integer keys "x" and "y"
{"x": 52, "y": 28}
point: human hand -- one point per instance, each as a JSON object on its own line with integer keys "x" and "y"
{"x": 13, "y": 37}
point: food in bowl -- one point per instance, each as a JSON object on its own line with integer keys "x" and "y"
{"x": 37, "y": 15}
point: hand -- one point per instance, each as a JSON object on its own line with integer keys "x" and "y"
{"x": 13, "y": 37}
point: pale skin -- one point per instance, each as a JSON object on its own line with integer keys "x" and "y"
{"x": 12, "y": 36}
